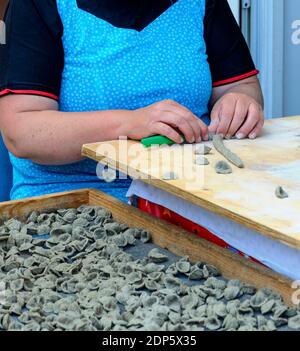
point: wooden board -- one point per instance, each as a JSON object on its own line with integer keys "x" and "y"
{"x": 247, "y": 196}
{"x": 165, "y": 235}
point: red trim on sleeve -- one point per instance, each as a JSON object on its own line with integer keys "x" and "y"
{"x": 236, "y": 79}
{"x": 31, "y": 92}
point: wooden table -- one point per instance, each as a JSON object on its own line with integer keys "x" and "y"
{"x": 246, "y": 196}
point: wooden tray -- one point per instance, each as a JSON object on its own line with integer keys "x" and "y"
{"x": 165, "y": 235}
{"x": 247, "y": 196}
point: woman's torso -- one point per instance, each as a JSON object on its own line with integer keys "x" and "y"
{"x": 108, "y": 67}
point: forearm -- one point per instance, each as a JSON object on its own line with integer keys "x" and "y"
{"x": 55, "y": 138}
{"x": 237, "y": 110}
{"x": 34, "y": 129}
{"x": 250, "y": 87}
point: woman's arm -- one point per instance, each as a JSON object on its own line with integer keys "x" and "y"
{"x": 237, "y": 109}
{"x": 33, "y": 128}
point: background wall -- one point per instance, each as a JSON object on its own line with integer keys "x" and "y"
{"x": 275, "y": 45}
{"x": 235, "y": 7}
{"x": 291, "y": 77}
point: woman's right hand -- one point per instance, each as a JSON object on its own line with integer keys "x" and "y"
{"x": 167, "y": 118}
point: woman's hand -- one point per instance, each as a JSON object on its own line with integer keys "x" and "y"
{"x": 237, "y": 114}
{"x": 237, "y": 110}
{"x": 167, "y": 118}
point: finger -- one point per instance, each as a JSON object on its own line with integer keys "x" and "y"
{"x": 177, "y": 121}
{"x": 173, "y": 104}
{"x": 174, "y": 107}
{"x": 254, "y": 115}
{"x": 215, "y": 119}
{"x": 197, "y": 128}
{"x": 164, "y": 129}
{"x": 226, "y": 115}
{"x": 240, "y": 114}
{"x": 257, "y": 130}
{"x": 204, "y": 130}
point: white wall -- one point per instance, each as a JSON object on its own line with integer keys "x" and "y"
{"x": 291, "y": 81}
{"x": 275, "y": 45}
{"x": 235, "y": 7}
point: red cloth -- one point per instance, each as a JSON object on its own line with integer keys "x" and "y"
{"x": 174, "y": 218}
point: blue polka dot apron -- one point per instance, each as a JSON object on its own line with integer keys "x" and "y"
{"x": 114, "y": 68}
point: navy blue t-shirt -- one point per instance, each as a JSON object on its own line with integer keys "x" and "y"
{"x": 32, "y": 60}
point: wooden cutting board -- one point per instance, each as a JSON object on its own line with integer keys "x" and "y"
{"x": 246, "y": 196}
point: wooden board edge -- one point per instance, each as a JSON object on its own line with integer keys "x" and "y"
{"x": 21, "y": 208}
{"x": 183, "y": 243}
{"x": 205, "y": 204}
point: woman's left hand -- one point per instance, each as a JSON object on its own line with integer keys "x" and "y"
{"x": 237, "y": 114}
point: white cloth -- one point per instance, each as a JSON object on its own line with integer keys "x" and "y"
{"x": 274, "y": 254}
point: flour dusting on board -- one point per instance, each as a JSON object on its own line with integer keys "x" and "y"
{"x": 290, "y": 171}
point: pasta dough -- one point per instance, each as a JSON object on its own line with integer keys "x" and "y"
{"x": 80, "y": 277}
{"x": 228, "y": 154}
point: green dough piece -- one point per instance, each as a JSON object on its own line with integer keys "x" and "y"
{"x": 228, "y": 154}
{"x": 281, "y": 193}
{"x": 294, "y": 322}
{"x": 258, "y": 300}
{"x": 79, "y": 280}
{"x": 213, "y": 323}
{"x": 145, "y": 236}
{"x": 223, "y": 167}
{"x": 267, "y": 306}
{"x": 202, "y": 150}
{"x": 190, "y": 301}
{"x": 173, "y": 302}
{"x": 183, "y": 266}
{"x": 109, "y": 175}
{"x": 201, "y": 161}
{"x": 231, "y": 292}
{"x": 156, "y": 256}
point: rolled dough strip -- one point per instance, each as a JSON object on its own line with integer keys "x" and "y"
{"x": 228, "y": 154}
{"x": 211, "y": 137}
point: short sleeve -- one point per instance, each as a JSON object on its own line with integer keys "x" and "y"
{"x": 228, "y": 53}
{"x": 32, "y": 58}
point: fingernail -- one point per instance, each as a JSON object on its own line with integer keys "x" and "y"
{"x": 199, "y": 140}
{"x": 228, "y": 136}
{"x": 240, "y": 136}
{"x": 252, "y": 136}
{"x": 206, "y": 137}
{"x": 182, "y": 140}
{"x": 221, "y": 135}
